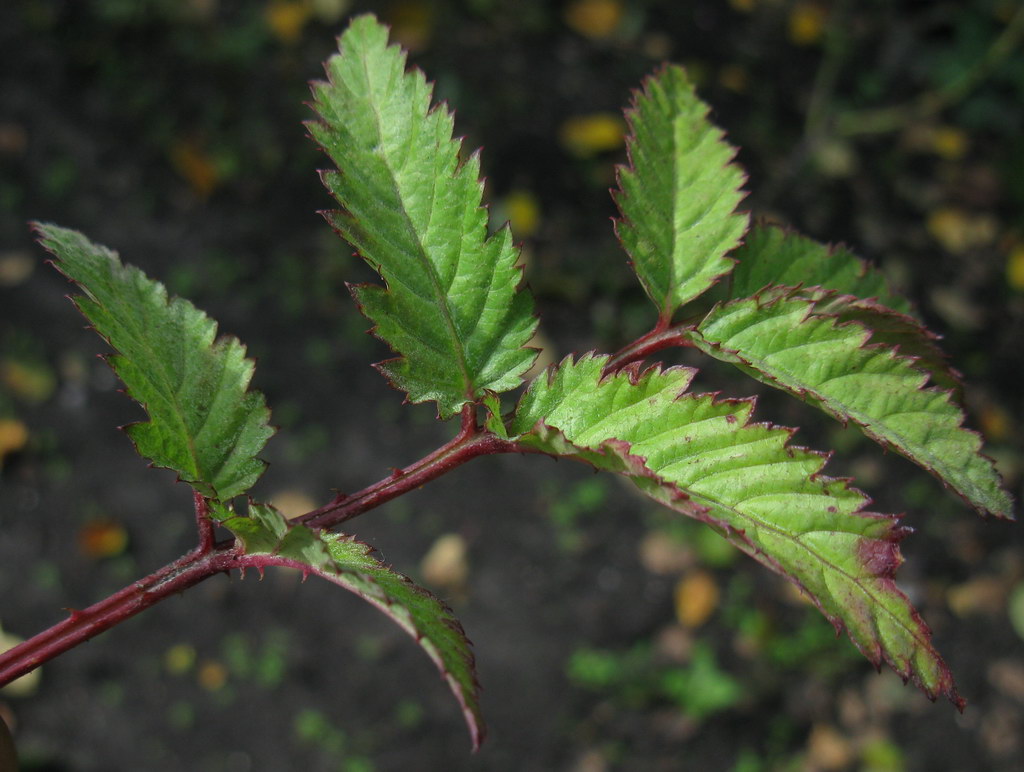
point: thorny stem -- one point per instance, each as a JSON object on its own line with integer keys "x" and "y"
{"x": 210, "y": 558}
{"x": 80, "y": 626}
{"x": 468, "y": 444}
{"x": 203, "y": 522}
{"x": 885, "y": 119}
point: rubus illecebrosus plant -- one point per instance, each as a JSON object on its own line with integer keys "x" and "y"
{"x": 809, "y": 319}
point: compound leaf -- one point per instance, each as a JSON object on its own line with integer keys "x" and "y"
{"x": 779, "y": 340}
{"x": 706, "y": 459}
{"x": 902, "y": 331}
{"x": 679, "y": 194}
{"x": 844, "y": 287}
{"x": 269, "y": 540}
{"x": 204, "y": 422}
{"x": 451, "y": 308}
{"x": 773, "y": 256}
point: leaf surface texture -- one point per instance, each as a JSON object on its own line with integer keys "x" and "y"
{"x": 706, "y": 459}
{"x": 679, "y": 194}
{"x": 350, "y": 564}
{"x": 773, "y": 256}
{"x": 204, "y": 421}
{"x": 779, "y": 340}
{"x": 451, "y": 307}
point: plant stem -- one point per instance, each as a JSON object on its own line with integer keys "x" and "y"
{"x": 661, "y": 337}
{"x": 885, "y": 119}
{"x": 80, "y": 626}
{"x": 467, "y": 445}
{"x": 203, "y": 522}
{"x": 211, "y": 558}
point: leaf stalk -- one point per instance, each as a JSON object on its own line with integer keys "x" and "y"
{"x": 80, "y": 626}
{"x": 658, "y": 339}
{"x": 210, "y": 558}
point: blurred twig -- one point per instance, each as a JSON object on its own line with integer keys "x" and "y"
{"x": 885, "y": 119}
{"x": 835, "y": 51}
{"x": 820, "y": 127}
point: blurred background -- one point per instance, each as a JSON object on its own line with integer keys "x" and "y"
{"x": 610, "y": 635}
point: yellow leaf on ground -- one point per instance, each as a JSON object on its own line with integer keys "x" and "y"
{"x": 661, "y": 554}
{"x": 1015, "y": 268}
{"x": 180, "y": 658}
{"x": 588, "y": 135}
{"x": 212, "y": 675}
{"x": 25, "y": 686}
{"x": 198, "y": 169}
{"x": 102, "y": 538}
{"x": 13, "y": 436}
{"x": 445, "y": 565}
{"x": 836, "y": 158}
{"x": 523, "y": 213}
{"x": 828, "y": 749}
{"x": 595, "y": 19}
{"x": 996, "y": 423}
{"x": 27, "y": 380}
{"x": 950, "y": 143}
{"x": 330, "y": 11}
{"x": 287, "y": 18}
{"x": 15, "y": 267}
{"x": 292, "y": 503}
{"x": 959, "y": 231}
{"x": 806, "y": 23}
{"x": 696, "y": 598}
{"x": 983, "y": 595}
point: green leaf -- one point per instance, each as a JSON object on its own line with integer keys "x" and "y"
{"x": 845, "y": 287}
{"x": 898, "y": 330}
{"x": 778, "y": 340}
{"x": 706, "y": 459}
{"x": 678, "y": 196}
{"x": 270, "y": 540}
{"x": 204, "y": 422}
{"x": 411, "y": 207}
{"x": 773, "y": 256}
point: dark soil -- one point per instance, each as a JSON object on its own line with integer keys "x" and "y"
{"x": 171, "y": 132}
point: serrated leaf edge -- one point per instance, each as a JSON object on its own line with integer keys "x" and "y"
{"x": 644, "y": 91}
{"x": 866, "y": 267}
{"x": 775, "y": 296}
{"x": 475, "y": 392}
{"x": 331, "y": 572}
{"x": 218, "y": 341}
{"x": 689, "y": 504}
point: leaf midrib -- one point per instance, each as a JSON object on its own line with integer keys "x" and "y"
{"x": 840, "y": 409}
{"x": 876, "y": 603}
{"x": 160, "y": 385}
{"x": 712, "y": 503}
{"x": 441, "y": 297}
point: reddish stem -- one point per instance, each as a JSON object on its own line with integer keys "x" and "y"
{"x": 203, "y": 522}
{"x": 210, "y": 558}
{"x": 661, "y": 337}
{"x": 80, "y": 626}
{"x": 468, "y": 444}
